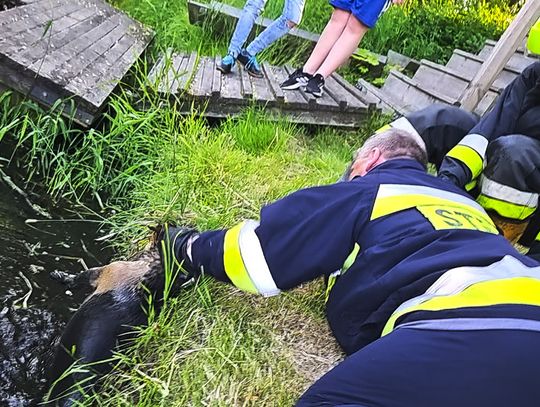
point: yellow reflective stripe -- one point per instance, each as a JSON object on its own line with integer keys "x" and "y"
{"x": 505, "y": 209}
{"x": 457, "y": 217}
{"x": 351, "y": 258}
{"x": 232, "y": 260}
{"x": 469, "y": 187}
{"x": 469, "y": 157}
{"x": 517, "y": 290}
{"x": 383, "y": 128}
{"x": 533, "y": 43}
{"x": 392, "y": 204}
{"x": 346, "y": 266}
{"x": 331, "y": 281}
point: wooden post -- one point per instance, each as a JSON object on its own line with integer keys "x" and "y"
{"x": 505, "y": 48}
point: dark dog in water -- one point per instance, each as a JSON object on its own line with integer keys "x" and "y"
{"x": 107, "y": 319}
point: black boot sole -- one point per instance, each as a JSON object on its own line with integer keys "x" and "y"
{"x": 224, "y": 70}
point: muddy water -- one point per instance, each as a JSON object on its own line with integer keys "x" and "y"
{"x": 33, "y": 306}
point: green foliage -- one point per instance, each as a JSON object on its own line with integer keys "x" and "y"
{"x": 432, "y": 29}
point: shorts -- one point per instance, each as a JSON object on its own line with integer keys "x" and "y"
{"x": 366, "y": 11}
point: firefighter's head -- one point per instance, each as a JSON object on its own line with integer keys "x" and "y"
{"x": 384, "y": 146}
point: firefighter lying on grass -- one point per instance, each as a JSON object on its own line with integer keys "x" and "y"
{"x": 437, "y": 308}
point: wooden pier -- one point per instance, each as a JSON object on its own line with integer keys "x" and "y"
{"x": 74, "y": 50}
{"x": 194, "y": 83}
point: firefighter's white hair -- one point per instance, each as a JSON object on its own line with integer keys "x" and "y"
{"x": 395, "y": 143}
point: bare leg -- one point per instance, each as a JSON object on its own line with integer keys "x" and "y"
{"x": 345, "y": 46}
{"x": 329, "y": 36}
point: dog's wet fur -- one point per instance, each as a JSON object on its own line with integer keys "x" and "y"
{"x": 105, "y": 320}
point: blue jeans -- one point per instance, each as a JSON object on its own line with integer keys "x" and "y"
{"x": 292, "y": 13}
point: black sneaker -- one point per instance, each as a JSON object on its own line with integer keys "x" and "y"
{"x": 226, "y": 64}
{"x": 296, "y": 80}
{"x": 250, "y": 64}
{"x": 315, "y": 85}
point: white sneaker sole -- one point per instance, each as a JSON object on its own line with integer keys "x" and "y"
{"x": 294, "y": 86}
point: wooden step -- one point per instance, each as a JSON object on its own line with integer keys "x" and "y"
{"x": 451, "y": 83}
{"x": 410, "y": 95}
{"x": 490, "y": 44}
{"x": 519, "y": 60}
{"x": 382, "y": 100}
{"x": 467, "y": 65}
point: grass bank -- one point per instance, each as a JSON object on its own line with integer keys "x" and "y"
{"x": 213, "y": 345}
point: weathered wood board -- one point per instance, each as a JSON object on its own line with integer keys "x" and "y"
{"x": 73, "y": 50}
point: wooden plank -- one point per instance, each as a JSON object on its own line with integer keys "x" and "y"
{"x": 22, "y": 33}
{"x": 231, "y": 88}
{"x": 99, "y": 93}
{"x": 353, "y": 91}
{"x": 60, "y": 37}
{"x": 522, "y": 50}
{"x": 184, "y": 77}
{"x": 74, "y": 66}
{"x": 444, "y": 80}
{"x": 509, "y": 42}
{"x": 273, "y": 83}
{"x": 20, "y": 13}
{"x": 342, "y": 96}
{"x": 96, "y": 71}
{"x": 201, "y": 87}
{"x": 410, "y": 95}
{"x": 247, "y": 88}
{"x": 519, "y": 60}
{"x": 216, "y": 78}
{"x": 169, "y": 67}
{"x": 36, "y": 23}
{"x": 486, "y": 103}
{"x": 262, "y": 90}
{"x": 54, "y": 60}
{"x": 383, "y": 100}
{"x": 467, "y": 65}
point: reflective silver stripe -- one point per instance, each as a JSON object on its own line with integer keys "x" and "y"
{"x": 403, "y": 124}
{"x": 474, "y": 324}
{"x": 477, "y": 142}
{"x": 254, "y": 261}
{"x": 502, "y": 192}
{"x": 456, "y": 280}
{"x": 388, "y": 190}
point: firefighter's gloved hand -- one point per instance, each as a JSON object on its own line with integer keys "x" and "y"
{"x": 174, "y": 245}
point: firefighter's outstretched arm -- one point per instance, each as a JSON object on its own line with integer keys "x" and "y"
{"x": 303, "y": 236}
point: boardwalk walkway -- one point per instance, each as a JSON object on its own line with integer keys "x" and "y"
{"x": 194, "y": 82}
{"x": 68, "y": 49}
{"x": 435, "y": 83}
